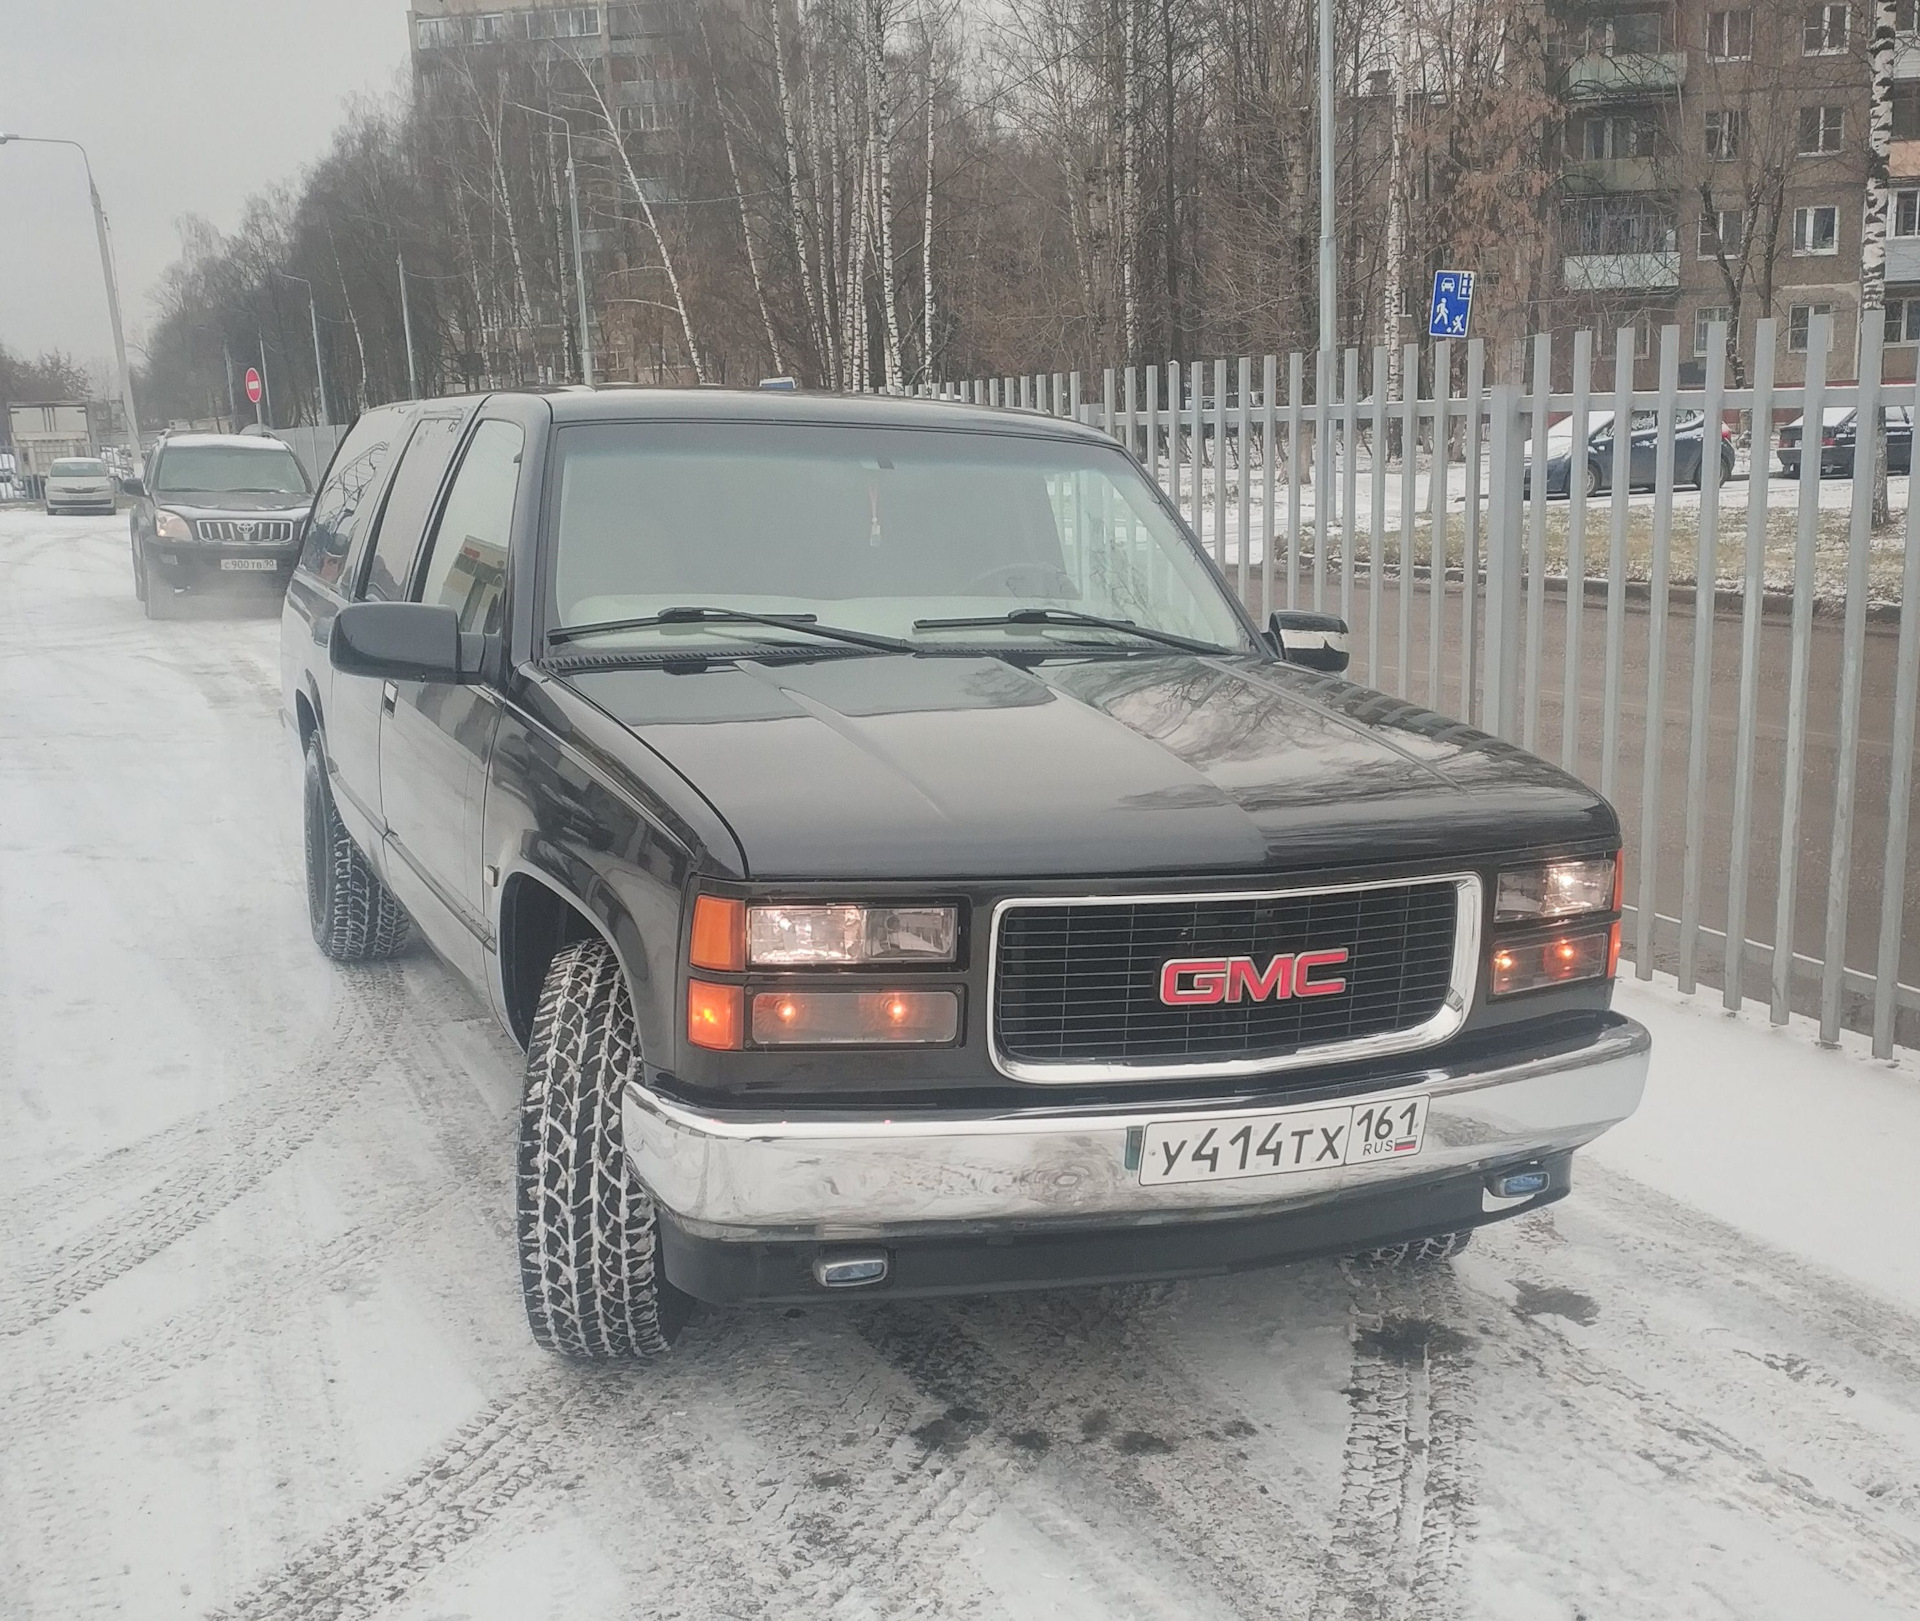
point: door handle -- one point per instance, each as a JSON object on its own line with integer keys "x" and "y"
{"x": 389, "y": 696}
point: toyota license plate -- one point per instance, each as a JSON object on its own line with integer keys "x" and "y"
{"x": 251, "y": 565}
{"x": 1280, "y": 1142}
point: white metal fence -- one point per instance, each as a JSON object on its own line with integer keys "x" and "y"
{"x": 1709, "y": 659}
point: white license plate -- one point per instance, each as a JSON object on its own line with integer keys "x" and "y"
{"x": 252, "y": 565}
{"x": 1280, "y": 1142}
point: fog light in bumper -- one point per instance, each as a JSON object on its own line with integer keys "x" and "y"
{"x": 1559, "y": 960}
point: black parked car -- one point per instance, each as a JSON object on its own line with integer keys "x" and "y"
{"x": 215, "y": 508}
{"x": 1596, "y": 460}
{"x": 909, "y": 871}
{"x": 1836, "y": 441}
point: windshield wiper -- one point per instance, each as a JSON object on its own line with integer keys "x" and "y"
{"x": 810, "y": 623}
{"x": 1072, "y": 616}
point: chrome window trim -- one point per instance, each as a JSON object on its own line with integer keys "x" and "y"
{"x": 1453, "y": 1011}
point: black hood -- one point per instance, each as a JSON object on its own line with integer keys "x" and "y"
{"x": 976, "y": 767}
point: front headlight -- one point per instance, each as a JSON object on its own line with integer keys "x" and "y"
{"x": 1555, "y": 889}
{"x": 171, "y": 526}
{"x": 846, "y": 936}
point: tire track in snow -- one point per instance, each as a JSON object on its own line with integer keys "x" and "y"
{"x": 1406, "y": 1493}
{"x": 376, "y": 1555}
{"x": 1706, "y": 1460}
{"x": 1050, "y": 1382}
{"x": 233, "y": 1150}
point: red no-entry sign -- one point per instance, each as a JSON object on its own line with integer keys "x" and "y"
{"x": 253, "y": 386}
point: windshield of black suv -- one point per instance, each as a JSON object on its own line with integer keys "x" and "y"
{"x": 874, "y": 530}
{"x": 242, "y": 469}
{"x": 77, "y": 467}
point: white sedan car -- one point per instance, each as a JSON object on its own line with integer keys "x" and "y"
{"x": 79, "y": 484}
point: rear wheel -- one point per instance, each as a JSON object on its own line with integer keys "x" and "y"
{"x": 354, "y": 916}
{"x": 589, "y": 1234}
{"x": 1417, "y": 1253}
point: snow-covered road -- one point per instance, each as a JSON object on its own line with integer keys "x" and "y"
{"x": 262, "y": 1353}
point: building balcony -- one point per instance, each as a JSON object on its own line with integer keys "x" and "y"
{"x": 1594, "y": 77}
{"x": 1619, "y": 272}
{"x": 1590, "y": 177}
{"x": 1906, "y": 57}
{"x": 1903, "y": 258}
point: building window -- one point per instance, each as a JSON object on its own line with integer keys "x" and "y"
{"x": 489, "y": 29}
{"x": 1722, "y": 229}
{"x": 1730, "y": 35}
{"x": 436, "y": 33}
{"x": 1906, "y": 17}
{"x": 1906, "y": 110}
{"x": 1817, "y": 229}
{"x": 1903, "y": 321}
{"x": 1821, "y": 130}
{"x": 1906, "y": 212}
{"x": 1642, "y": 337}
{"x": 1823, "y": 31}
{"x": 564, "y": 22}
{"x": 1703, "y": 318}
{"x": 1634, "y": 33}
{"x": 1618, "y": 137}
{"x": 1613, "y": 225}
{"x": 1799, "y": 318}
{"x": 1725, "y": 128}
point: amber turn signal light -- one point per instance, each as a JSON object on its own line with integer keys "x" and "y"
{"x": 855, "y": 1018}
{"x": 1556, "y": 961}
{"x": 714, "y": 1015}
{"x": 719, "y": 934}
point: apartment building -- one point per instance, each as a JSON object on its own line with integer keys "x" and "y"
{"x": 1714, "y": 159}
{"x": 636, "y": 46}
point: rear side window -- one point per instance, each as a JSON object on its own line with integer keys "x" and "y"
{"x": 415, "y": 483}
{"x": 468, "y": 568}
{"x": 345, "y": 498}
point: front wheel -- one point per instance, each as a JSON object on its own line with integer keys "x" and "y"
{"x": 354, "y": 916}
{"x": 589, "y": 1235}
{"x": 1593, "y": 478}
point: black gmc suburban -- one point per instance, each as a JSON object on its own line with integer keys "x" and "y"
{"x": 910, "y": 871}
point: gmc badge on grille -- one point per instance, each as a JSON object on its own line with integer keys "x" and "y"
{"x": 1195, "y": 981}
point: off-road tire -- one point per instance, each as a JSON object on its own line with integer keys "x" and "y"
{"x": 156, "y": 596}
{"x": 355, "y": 917}
{"x": 589, "y": 1236}
{"x": 1417, "y": 1253}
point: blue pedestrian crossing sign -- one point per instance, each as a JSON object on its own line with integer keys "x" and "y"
{"x": 1452, "y": 304}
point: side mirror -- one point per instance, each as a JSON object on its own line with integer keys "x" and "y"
{"x": 404, "y": 641}
{"x": 1312, "y": 641}
{"x": 134, "y": 486}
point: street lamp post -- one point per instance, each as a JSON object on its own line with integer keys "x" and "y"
{"x": 579, "y": 265}
{"x": 113, "y": 288}
{"x": 319, "y": 368}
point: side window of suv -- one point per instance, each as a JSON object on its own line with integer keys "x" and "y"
{"x": 341, "y": 504}
{"x": 404, "y": 519}
{"x": 467, "y": 568}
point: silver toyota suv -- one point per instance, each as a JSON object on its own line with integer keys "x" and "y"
{"x": 216, "y": 509}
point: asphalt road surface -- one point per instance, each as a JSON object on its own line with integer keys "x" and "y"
{"x": 262, "y": 1353}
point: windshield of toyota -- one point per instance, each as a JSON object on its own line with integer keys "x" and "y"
{"x": 871, "y": 530}
{"x": 78, "y": 467}
{"x": 242, "y": 469}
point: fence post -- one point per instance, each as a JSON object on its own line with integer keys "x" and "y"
{"x": 1866, "y": 441}
{"x": 1501, "y": 705}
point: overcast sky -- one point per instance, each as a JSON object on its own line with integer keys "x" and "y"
{"x": 185, "y": 107}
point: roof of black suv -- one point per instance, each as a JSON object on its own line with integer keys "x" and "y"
{"x": 770, "y": 405}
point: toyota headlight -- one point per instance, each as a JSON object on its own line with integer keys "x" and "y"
{"x": 171, "y": 526}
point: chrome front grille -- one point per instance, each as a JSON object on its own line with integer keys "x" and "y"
{"x": 245, "y": 531}
{"x": 1077, "y": 990}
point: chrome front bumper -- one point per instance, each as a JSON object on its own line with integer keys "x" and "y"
{"x": 750, "y": 1176}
